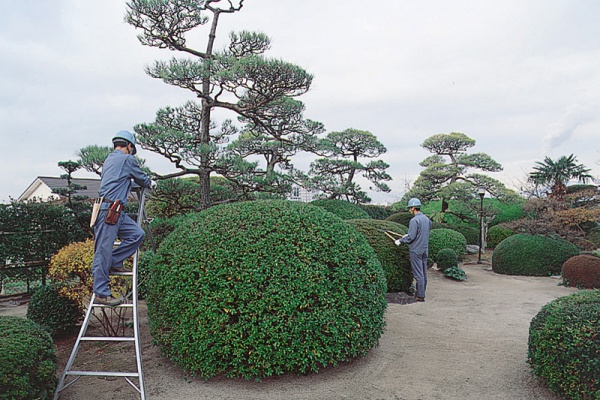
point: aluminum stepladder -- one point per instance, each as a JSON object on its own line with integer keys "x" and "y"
{"x": 135, "y": 339}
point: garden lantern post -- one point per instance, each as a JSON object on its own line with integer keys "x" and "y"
{"x": 481, "y": 193}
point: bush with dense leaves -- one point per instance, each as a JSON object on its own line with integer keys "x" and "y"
{"x": 265, "y": 288}
{"x": 532, "y": 255}
{"x": 497, "y": 234}
{"x": 447, "y": 239}
{"x": 402, "y": 218}
{"x": 564, "y": 345}
{"x": 71, "y": 273}
{"x": 582, "y": 271}
{"x": 446, "y": 258}
{"x": 394, "y": 259}
{"x": 56, "y": 314}
{"x": 28, "y": 360}
{"x": 377, "y": 212}
{"x": 341, "y": 208}
{"x": 456, "y": 273}
{"x": 470, "y": 233}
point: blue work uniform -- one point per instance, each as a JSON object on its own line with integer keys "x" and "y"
{"x": 118, "y": 171}
{"x": 418, "y": 244}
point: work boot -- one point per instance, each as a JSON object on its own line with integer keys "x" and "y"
{"x": 119, "y": 270}
{"x": 108, "y": 301}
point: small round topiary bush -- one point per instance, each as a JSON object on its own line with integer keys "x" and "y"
{"x": 564, "y": 345}
{"x": 582, "y": 271}
{"x": 402, "y": 218}
{"x": 54, "y": 313}
{"x": 28, "y": 360}
{"x": 264, "y": 288}
{"x": 71, "y": 273}
{"x": 341, "y": 208}
{"x": 446, "y": 239}
{"x": 496, "y": 234}
{"x": 394, "y": 259}
{"x": 446, "y": 258}
{"x": 532, "y": 255}
{"x": 470, "y": 233}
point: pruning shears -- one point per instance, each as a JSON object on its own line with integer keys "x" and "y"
{"x": 390, "y": 233}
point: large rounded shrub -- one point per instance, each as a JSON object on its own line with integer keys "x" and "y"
{"x": 582, "y": 271}
{"x": 470, "y": 233}
{"x": 27, "y": 360}
{"x": 497, "y": 234}
{"x": 446, "y": 239}
{"x": 394, "y": 259}
{"x": 402, "y": 218}
{"x": 71, "y": 272}
{"x": 264, "y": 288}
{"x": 564, "y": 345}
{"x": 532, "y": 255}
{"x": 56, "y": 314}
{"x": 341, "y": 208}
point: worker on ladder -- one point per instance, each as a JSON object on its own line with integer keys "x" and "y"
{"x": 108, "y": 220}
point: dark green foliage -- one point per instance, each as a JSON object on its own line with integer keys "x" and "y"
{"x": 35, "y": 231}
{"x": 161, "y": 228}
{"x": 56, "y": 314}
{"x": 582, "y": 271}
{"x": 456, "y": 273}
{"x": 144, "y": 264}
{"x": 394, "y": 259}
{"x": 532, "y": 255}
{"x": 377, "y": 212}
{"x": 402, "y": 218}
{"x": 447, "y": 239}
{"x": 265, "y": 288}
{"x": 470, "y": 233}
{"x": 507, "y": 212}
{"x": 446, "y": 258}
{"x": 341, "y": 208}
{"x": 564, "y": 345}
{"x": 497, "y": 234}
{"x": 27, "y": 360}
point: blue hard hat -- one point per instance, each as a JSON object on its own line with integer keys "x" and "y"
{"x": 414, "y": 202}
{"x": 127, "y": 136}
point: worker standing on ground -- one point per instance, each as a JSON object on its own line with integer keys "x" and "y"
{"x": 418, "y": 244}
{"x": 118, "y": 171}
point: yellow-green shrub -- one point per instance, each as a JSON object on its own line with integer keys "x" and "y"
{"x": 71, "y": 271}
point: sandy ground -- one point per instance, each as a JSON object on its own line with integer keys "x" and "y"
{"x": 467, "y": 341}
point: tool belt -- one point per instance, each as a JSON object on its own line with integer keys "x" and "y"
{"x": 114, "y": 212}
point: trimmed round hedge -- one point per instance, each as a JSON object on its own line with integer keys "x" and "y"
{"x": 564, "y": 345}
{"x": 497, "y": 234}
{"x": 532, "y": 255}
{"x": 341, "y": 208}
{"x": 582, "y": 271}
{"x": 446, "y": 258}
{"x": 56, "y": 314}
{"x": 28, "y": 360}
{"x": 377, "y": 212}
{"x": 446, "y": 239}
{"x": 265, "y": 288}
{"x": 395, "y": 260}
{"x": 402, "y": 217}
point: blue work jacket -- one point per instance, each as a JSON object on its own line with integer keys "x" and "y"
{"x": 418, "y": 234}
{"x": 118, "y": 171}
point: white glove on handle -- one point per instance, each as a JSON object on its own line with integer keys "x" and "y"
{"x": 152, "y": 185}
{"x": 397, "y": 242}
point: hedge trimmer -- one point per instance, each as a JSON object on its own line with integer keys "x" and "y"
{"x": 390, "y": 233}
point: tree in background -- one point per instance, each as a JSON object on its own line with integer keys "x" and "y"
{"x": 556, "y": 174}
{"x": 238, "y": 78}
{"x": 446, "y": 175}
{"x": 334, "y": 174}
{"x": 76, "y": 203}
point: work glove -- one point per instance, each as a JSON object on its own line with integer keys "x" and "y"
{"x": 152, "y": 185}
{"x": 397, "y": 242}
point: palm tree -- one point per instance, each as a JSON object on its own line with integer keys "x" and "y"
{"x": 557, "y": 174}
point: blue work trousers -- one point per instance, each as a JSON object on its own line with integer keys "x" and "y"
{"x": 106, "y": 255}
{"x": 418, "y": 262}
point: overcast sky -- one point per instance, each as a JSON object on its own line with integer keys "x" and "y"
{"x": 522, "y": 78}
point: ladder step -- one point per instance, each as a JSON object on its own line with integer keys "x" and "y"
{"x": 124, "y": 305}
{"x": 103, "y": 373}
{"x": 122, "y": 273}
{"x": 108, "y": 338}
